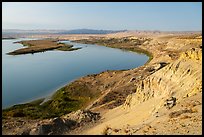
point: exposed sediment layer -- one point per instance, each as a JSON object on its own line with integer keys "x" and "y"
{"x": 176, "y": 71}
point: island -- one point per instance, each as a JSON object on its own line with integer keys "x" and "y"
{"x": 34, "y": 46}
{"x": 7, "y": 38}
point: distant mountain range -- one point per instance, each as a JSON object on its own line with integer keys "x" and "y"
{"x": 10, "y": 33}
{"x": 89, "y": 31}
{"x": 74, "y": 31}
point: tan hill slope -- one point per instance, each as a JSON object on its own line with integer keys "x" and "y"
{"x": 144, "y": 112}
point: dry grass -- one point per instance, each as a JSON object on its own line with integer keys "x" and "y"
{"x": 34, "y": 46}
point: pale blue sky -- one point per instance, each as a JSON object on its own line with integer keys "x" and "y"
{"x": 184, "y": 16}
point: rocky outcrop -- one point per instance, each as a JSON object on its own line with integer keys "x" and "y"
{"x": 165, "y": 96}
{"x": 193, "y": 54}
{"x": 82, "y": 116}
{"x": 170, "y": 102}
{"x": 60, "y": 125}
{"x": 181, "y": 78}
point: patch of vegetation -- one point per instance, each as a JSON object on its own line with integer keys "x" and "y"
{"x": 67, "y": 48}
{"x": 22, "y": 110}
{"x": 67, "y": 99}
{"x": 26, "y": 44}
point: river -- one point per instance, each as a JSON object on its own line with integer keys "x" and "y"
{"x": 32, "y": 76}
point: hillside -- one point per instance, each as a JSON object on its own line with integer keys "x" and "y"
{"x": 144, "y": 112}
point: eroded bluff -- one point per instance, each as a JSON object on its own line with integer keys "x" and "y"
{"x": 181, "y": 78}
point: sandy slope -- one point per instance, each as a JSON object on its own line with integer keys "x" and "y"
{"x": 144, "y": 111}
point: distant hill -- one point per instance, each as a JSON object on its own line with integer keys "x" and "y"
{"x": 14, "y": 33}
{"x": 89, "y": 31}
{"x": 74, "y": 31}
{"x": 19, "y": 31}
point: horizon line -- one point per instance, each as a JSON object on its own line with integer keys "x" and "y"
{"x": 103, "y": 30}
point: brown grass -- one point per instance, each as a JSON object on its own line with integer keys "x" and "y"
{"x": 34, "y": 46}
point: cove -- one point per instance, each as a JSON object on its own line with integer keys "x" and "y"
{"x": 32, "y": 76}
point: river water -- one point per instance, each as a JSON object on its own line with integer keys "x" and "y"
{"x": 32, "y": 76}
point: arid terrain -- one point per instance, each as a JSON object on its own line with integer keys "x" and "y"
{"x": 164, "y": 96}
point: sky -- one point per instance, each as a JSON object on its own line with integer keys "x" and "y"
{"x": 163, "y": 16}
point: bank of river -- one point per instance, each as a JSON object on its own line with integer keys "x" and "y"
{"x": 31, "y": 76}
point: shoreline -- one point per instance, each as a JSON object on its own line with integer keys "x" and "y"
{"x": 136, "y": 49}
{"x": 112, "y": 93}
{"x": 49, "y": 97}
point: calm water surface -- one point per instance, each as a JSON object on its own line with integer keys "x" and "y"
{"x": 31, "y": 76}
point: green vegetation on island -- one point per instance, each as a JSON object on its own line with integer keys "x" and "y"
{"x": 67, "y": 47}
